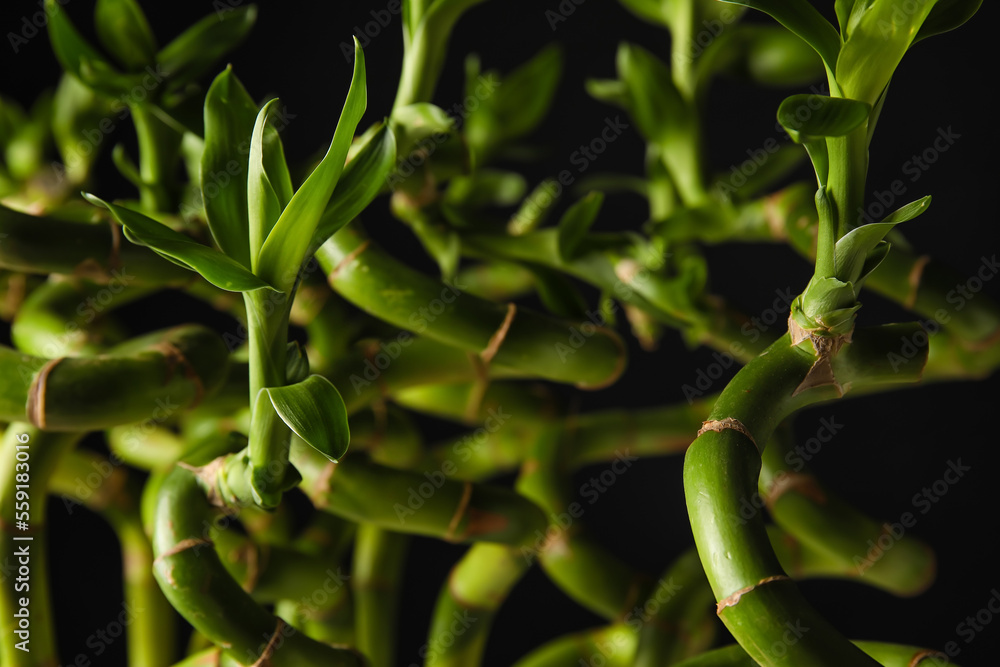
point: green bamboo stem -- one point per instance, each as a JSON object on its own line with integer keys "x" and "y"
{"x": 388, "y": 435}
{"x": 25, "y": 594}
{"x": 496, "y": 281}
{"x": 612, "y": 646}
{"x": 68, "y": 318}
{"x": 801, "y": 505}
{"x": 581, "y": 567}
{"x": 146, "y": 446}
{"x": 675, "y": 621}
{"x": 197, "y": 585}
{"x": 722, "y": 468}
{"x": 416, "y": 504}
{"x": 887, "y": 655}
{"x": 379, "y": 562}
{"x": 148, "y": 378}
{"x": 158, "y": 146}
{"x": 95, "y": 251}
{"x": 150, "y": 636}
{"x": 468, "y": 603}
{"x": 579, "y": 353}
{"x": 706, "y": 320}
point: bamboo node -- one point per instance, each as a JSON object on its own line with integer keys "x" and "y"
{"x": 826, "y": 348}
{"x": 733, "y": 599}
{"x": 805, "y": 485}
{"x": 731, "y": 423}
{"x": 463, "y": 506}
{"x": 35, "y": 408}
{"x": 920, "y": 655}
{"x": 916, "y": 273}
{"x": 265, "y": 658}
{"x": 348, "y": 258}
{"x": 184, "y": 545}
{"x": 499, "y": 335}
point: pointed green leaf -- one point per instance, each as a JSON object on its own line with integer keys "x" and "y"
{"x": 657, "y": 106}
{"x": 218, "y": 269}
{"x": 576, "y": 222}
{"x": 76, "y": 108}
{"x": 263, "y": 204}
{"x": 315, "y": 412}
{"x": 195, "y": 50}
{"x": 229, "y": 120}
{"x": 125, "y": 33}
{"x": 805, "y": 21}
{"x": 654, "y": 11}
{"x": 363, "y": 178}
{"x": 872, "y": 260}
{"x": 807, "y": 116}
{"x": 880, "y": 34}
{"x": 286, "y": 245}
{"x": 947, "y": 15}
{"x": 843, "y": 9}
{"x": 78, "y": 57}
{"x": 525, "y": 95}
{"x": 296, "y": 363}
{"x": 910, "y": 211}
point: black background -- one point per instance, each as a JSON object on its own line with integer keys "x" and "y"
{"x": 892, "y": 445}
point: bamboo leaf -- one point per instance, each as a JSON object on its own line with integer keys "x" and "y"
{"x": 910, "y": 211}
{"x": 285, "y": 246}
{"x": 125, "y": 33}
{"x": 558, "y": 293}
{"x": 78, "y": 57}
{"x": 802, "y": 19}
{"x": 657, "y": 106}
{"x": 525, "y": 95}
{"x": 843, "y": 9}
{"x": 229, "y": 121}
{"x": 314, "y": 410}
{"x": 263, "y": 204}
{"x": 654, "y": 11}
{"x": 807, "y": 116}
{"x": 576, "y": 222}
{"x": 362, "y": 180}
{"x": 947, "y": 15}
{"x": 218, "y": 269}
{"x": 195, "y": 50}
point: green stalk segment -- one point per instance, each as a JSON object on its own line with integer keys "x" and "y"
{"x": 151, "y": 377}
{"x": 802, "y": 506}
{"x": 28, "y": 459}
{"x": 611, "y": 646}
{"x": 468, "y": 603}
{"x": 197, "y": 585}
{"x": 95, "y": 251}
{"x": 415, "y": 503}
{"x": 580, "y": 353}
{"x": 757, "y": 601}
{"x": 887, "y": 655}
{"x": 379, "y": 561}
{"x": 150, "y": 635}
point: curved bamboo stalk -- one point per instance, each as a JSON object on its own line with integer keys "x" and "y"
{"x": 379, "y": 561}
{"x": 579, "y": 353}
{"x": 756, "y": 598}
{"x": 887, "y": 655}
{"x": 195, "y": 582}
{"x": 414, "y": 503}
{"x": 149, "y": 377}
